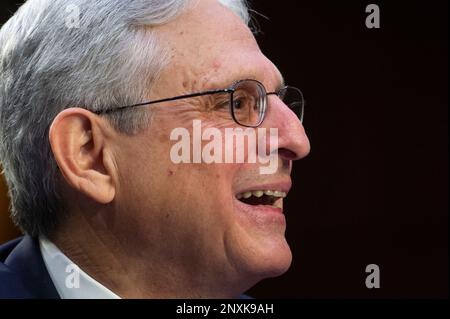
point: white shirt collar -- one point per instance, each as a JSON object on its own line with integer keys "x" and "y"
{"x": 70, "y": 281}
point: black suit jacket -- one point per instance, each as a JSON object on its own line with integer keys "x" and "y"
{"x": 22, "y": 271}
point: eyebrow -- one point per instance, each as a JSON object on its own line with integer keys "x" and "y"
{"x": 282, "y": 82}
{"x": 235, "y": 79}
{"x": 281, "y": 78}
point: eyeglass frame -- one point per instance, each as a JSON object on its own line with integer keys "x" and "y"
{"x": 230, "y": 90}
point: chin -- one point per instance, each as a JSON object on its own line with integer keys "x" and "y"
{"x": 262, "y": 258}
{"x": 273, "y": 260}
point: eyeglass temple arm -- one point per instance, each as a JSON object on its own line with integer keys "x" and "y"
{"x": 187, "y": 96}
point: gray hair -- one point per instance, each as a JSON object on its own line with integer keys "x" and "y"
{"x": 109, "y": 59}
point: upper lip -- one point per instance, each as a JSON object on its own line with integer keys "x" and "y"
{"x": 283, "y": 186}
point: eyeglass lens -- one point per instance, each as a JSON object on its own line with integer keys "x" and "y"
{"x": 249, "y": 102}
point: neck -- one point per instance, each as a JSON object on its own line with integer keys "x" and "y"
{"x": 130, "y": 271}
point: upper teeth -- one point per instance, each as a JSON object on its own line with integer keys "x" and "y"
{"x": 259, "y": 193}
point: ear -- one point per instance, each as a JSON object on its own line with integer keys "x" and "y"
{"x": 78, "y": 145}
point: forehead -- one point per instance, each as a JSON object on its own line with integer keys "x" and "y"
{"x": 211, "y": 46}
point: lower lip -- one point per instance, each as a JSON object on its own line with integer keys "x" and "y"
{"x": 262, "y": 213}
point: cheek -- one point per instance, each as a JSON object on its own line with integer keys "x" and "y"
{"x": 182, "y": 186}
{"x": 159, "y": 182}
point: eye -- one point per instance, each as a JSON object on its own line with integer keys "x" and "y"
{"x": 238, "y": 103}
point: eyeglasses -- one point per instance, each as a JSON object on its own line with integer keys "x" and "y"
{"x": 248, "y": 101}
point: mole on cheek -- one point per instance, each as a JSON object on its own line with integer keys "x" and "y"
{"x": 216, "y": 65}
{"x": 169, "y": 172}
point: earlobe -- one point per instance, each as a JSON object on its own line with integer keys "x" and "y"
{"x": 78, "y": 146}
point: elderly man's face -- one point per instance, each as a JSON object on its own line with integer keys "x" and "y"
{"x": 187, "y": 215}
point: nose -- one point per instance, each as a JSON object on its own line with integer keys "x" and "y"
{"x": 293, "y": 143}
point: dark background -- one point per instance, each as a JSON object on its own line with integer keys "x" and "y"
{"x": 375, "y": 187}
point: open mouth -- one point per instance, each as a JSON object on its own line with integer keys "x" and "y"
{"x": 260, "y": 197}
